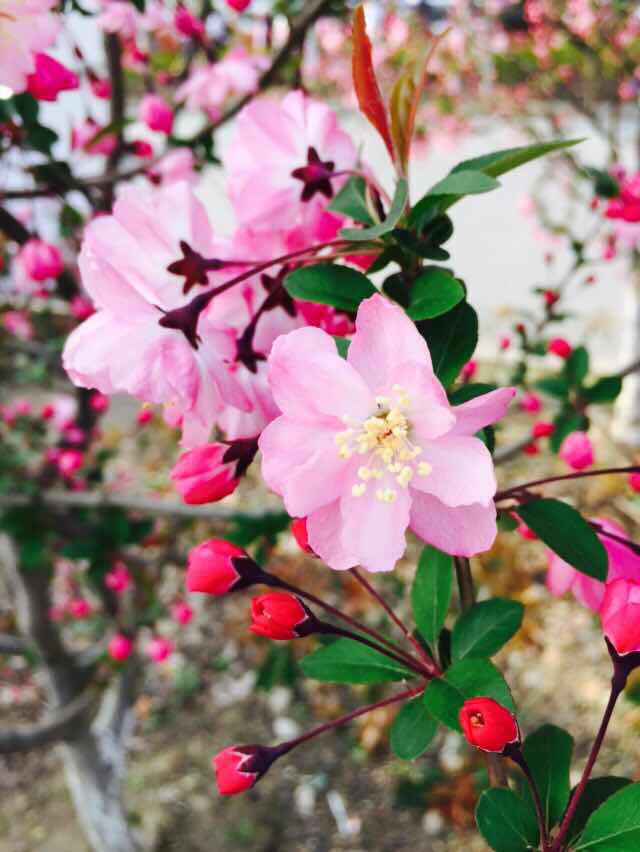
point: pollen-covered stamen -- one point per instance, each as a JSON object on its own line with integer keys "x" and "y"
{"x": 384, "y": 439}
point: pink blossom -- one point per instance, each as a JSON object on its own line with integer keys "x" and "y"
{"x": 202, "y": 475}
{"x": 577, "y": 451}
{"x": 469, "y": 370}
{"x": 177, "y": 165}
{"x": 634, "y": 482}
{"x": 50, "y": 78}
{"x": 39, "y": 260}
{"x": 187, "y": 24}
{"x": 530, "y": 402}
{"x": 181, "y": 612}
{"x": 238, "y": 5}
{"x": 368, "y": 446}
{"x": 69, "y": 461}
{"x": 272, "y": 140}
{"x": 18, "y": 324}
{"x": 159, "y": 649}
{"x": 83, "y": 134}
{"x": 120, "y": 647}
{"x": 623, "y": 564}
{"x": 123, "y": 346}
{"x": 560, "y": 347}
{"x": 101, "y": 87}
{"x": 80, "y": 608}
{"x": 26, "y": 28}
{"x": 144, "y": 416}
{"x": 156, "y": 113}
{"x": 118, "y": 579}
{"x": 620, "y": 615}
{"x": 120, "y": 16}
{"x": 208, "y": 87}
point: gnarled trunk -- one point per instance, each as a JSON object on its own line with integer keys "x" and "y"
{"x": 626, "y": 419}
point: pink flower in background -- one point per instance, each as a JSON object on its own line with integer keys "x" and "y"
{"x": 272, "y": 140}
{"x": 156, "y": 113}
{"x": 623, "y": 564}
{"x": 187, "y": 24}
{"x": 207, "y": 88}
{"x": 368, "y": 446}
{"x": 123, "y": 346}
{"x": 26, "y": 28}
{"x": 120, "y": 647}
{"x": 80, "y": 608}
{"x": 577, "y": 451}
{"x": 177, "y": 165}
{"x": 50, "y": 78}
{"x": 39, "y": 260}
{"x": 119, "y": 16}
{"x": 69, "y": 461}
{"x": 118, "y": 579}
{"x": 181, "y": 613}
{"x": 530, "y": 402}
{"x": 159, "y": 649}
{"x": 83, "y": 135}
{"x": 19, "y": 324}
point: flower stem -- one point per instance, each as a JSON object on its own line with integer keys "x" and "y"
{"x": 418, "y": 668}
{"x": 518, "y": 757}
{"x": 513, "y": 492}
{"x": 431, "y": 665}
{"x": 618, "y": 682}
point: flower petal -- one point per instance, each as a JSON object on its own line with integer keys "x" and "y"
{"x": 477, "y": 413}
{"x": 461, "y": 471}
{"x": 324, "y": 529}
{"x": 461, "y": 531}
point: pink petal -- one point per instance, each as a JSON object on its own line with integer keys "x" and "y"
{"x": 385, "y": 337}
{"x": 482, "y": 411}
{"x": 324, "y": 529}
{"x": 463, "y": 531}
{"x": 560, "y": 575}
{"x": 461, "y": 471}
{"x": 310, "y": 381}
{"x": 429, "y": 412}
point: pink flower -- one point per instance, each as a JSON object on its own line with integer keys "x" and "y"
{"x": 141, "y": 148}
{"x": 177, "y": 165}
{"x": 204, "y": 474}
{"x": 101, "y": 87}
{"x": 560, "y": 347}
{"x": 272, "y": 140}
{"x": 238, "y": 5}
{"x": 215, "y": 568}
{"x": 120, "y": 647}
{"x": 18, "y": 324}
{"x": 634, "y": 482}
{"x": 120, "y": 16}
{"x": 187, "y": 24}
{"x": 118, "y": 579}
{"x": 181, "y": 612}
{"x": 577, "y": 451}
{"x": 26, "y": 28}
{"x": 530, "y": 402}
{"x": 159, "y": 649}
{"x": 542, "y": 429}
{"x": 623, "y": 564}
{"x": 144, "y": 416}
{"x": 79, "y": 608}
{"x": 84, "y": 134}
{"x": 69, "y": 461}
{"x": 620, "y": 615}
{"x": 39, "y": 260}
{"x": 299, "y": 531}
{"x": 207, "y": 88}
{"x": 469, "y": 370}
{"x": 368, "y": 446}
{"x": 99, "y": 402}
{"x": 81, "y": 308}
{"x": 50, "y": 78}
{"x": 123, "y": 346}
{"x": 156, "y": 113}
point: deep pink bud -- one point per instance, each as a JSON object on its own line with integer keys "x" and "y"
{"x": 187, "y": 24}
{"x": 531, "y": 449}
{"x": 505, "y": 343}
{"x": 120, "y": 647}
{"x": 101, "y": 87}
{"x": 156, "y": 113}
{"x": 526, "y": 532}
{"x": 530, "y": 403}
{"x": 141, "y": 148}
{"x": 488, "y": 725}
{"x": 620, "y": 615}
{"x": 69, "y": 461}
{"x": 50, "y": 78}
{"x": 118, "y": 579}
{"x": 81, "y": 308}
{"x": 469, "y": 369}
{"x": 181, "y": 612}
{"x": 79, "y": 608}
{"x": 577, "y": 451}
{"x": 144, "y": 416}
{"x": 216, "y": 567}
{"x": 40, "y": 260}
{"x": 238, "y": 768}
{"x": 159, "y": 649}
{"x": 560, "y": 347}
{"x": 201, "y": 475}
{"x": 542, "y": 429}
{"x": 280, "y": 615}
{"x": 299, "y": 530}
{"x": 238, "y": 5}
{"x": 99, "y": 402}
{"x": 634, "y": 482}
{"x": 551, "y": 297}
{"x": 47, "y": 412}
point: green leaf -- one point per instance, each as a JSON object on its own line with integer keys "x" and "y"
{"x": 484, "y": 628}
{"x": 351, "y": 201}
{"x": 413, "y": 730}
{"x": 566, "y": 421}
{"x": 452, "y": 339}
{"x": 577, "y": 366}
{"x": 434, "y": 292}
{"x": 468, "y": 678}
{"x": 554, "y": 386}
{"x": 605, "y": 389}
{"x": 278, "y": 668}
{"x": 597, "y": 791}
{"x": 615, "y": 826}
{"x": 431, "y": 593}
{"x": 499, "y": 162}
{"x": 567, "y": 533}
{"x": 506, "y": 822}
{"x": 548, "y": 753}
{"x": 393, "y": 217}
{"x": 342, "y": 345}
{"x": 467, "y": 182}
{"x": 330, "y": 284}
{"x": 348, "y": 661}
{"x": 604, "y": 184}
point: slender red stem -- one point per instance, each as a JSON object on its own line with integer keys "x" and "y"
{"x": 503, "y": 495}
{"x": 431, "y": 666}
{"x": 418, "y": 668}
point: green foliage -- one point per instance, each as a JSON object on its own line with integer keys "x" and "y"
{"x": 548, "y": 753}
{"x": 468, "y": 678}
{"x": 348, "y": 661}
{"x": 330, "y": 284}
{"x": 248, "y": 529}
{"x": 615, "y": 826}
{"x": 452, "y": 339}
{"x": 351, "y": 200}
{"x": 434, "y": 292}
{"x": 278, "y": 669}
{"x": 597, "y": 791}
{"x": 484, "y": 628}
{"x": 431, "y": 593}
{"x": 506, "y": 822}
{"x": 567, "y": 533}
{"x": 394, "y": 215}
{"x": 604, "y": 390}
{"x": 413, "y": 730}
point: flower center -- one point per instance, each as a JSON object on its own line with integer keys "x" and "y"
{"x": 384, "y": 439}
{"x": 476, "y": 719}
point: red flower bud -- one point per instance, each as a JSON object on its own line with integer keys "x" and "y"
{"x": 280, "y": 615}
{"x": 488, "y": 725}
{"x": 120, "y": 647}
{"x": 531, "y": 449}
{"x": 201, "y": 475}
{"x": 551, "y": 297}
{"x": 238, "y": 768}
{"x": 560, "y": 347}
{"x": 634, "y": 482}
{"x": 542, "y": 429}
{"x": 299, "y": 530}
{"x": 216, "y": 567}
{"x": 620, "y": 615}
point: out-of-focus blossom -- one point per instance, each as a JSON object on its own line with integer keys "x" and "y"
{"x": 27, "y": 27}
{"x": 50, "y": 78}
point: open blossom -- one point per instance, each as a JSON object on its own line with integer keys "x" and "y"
{"x": 50, "y": 78}
{"x": 624, "y": 563}
{"x": 272, "y": 141}
{"x": 207, "y": 88}
{"x": 368, "y": 446}
{"x": 120, "y": 16}
{"x": 123, "y": 346}
{"x": 26, "y": 28}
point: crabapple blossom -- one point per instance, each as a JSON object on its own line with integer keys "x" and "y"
{"x": 118, "y": 579}
{"x": 238, "y": 768}
{"x": 299, "y": 531}
{"x": 488, "y": 725}
{"x": 50, "y": 78}
{"x": 530, "y": 402}
{"x": 634, "y": 482}
{"x": 39, "y": 260}
{"x": 217, "y": 567}
{"x": 181, "y": 612}
{"x": 623, "y": 564}
{"x": 368, "y": 446}
{"x": 560, "y": 347}
{"x": 620, "y": 615}
{"x": 120, "y": 647}
{"x": 79, "y": 608}
{"x": 577, "y": 451}
{"x": 280, "y": 616}
{"x": 159, "y": 649}
{"x": 202, "y": 475}
{"x": 125, "y": 346}
{"x": 26, "y": 28}
{"x": 156, "y": 113}
{"x": 208, "y": 87}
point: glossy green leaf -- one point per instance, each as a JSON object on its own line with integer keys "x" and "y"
{"x": 413, "y": 730}
{"x": 394, "y": 215}
{"x": 577, "y": 366}
{"x": 467, "y": 182}
{"x": 548, "y": 753}
{"x": 484, "y": 628}
{"x": 468, "y": 678}
{"x": 330, "y": 284}
{"x": 554, "y": 386}
{"x": 434, "y": 292}
{"x": 506, "y": 822}
{"x": 452, "y": 339}
{"x": 615, "y": 826}
{"x": 348, "y": 661}
{"x": 605, "y": 389}
{"x": 500, "y": 162}
{"x": 567, "y": 533}
{"x": 597, "y": 791}
{"x": 351, "y": 200}
{"x": 431, "y": 592}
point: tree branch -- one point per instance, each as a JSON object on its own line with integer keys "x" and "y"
{"x": 64, "y": 724}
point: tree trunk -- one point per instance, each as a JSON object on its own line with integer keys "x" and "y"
{"x": 626, "y": 418}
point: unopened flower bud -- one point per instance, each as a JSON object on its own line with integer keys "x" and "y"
{"x": 488, "y": 725}
{"x": 280, "y": 616}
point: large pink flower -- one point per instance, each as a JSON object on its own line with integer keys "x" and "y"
{"x": 368, "y": 446}
{"x": 123, "y": 347}
{"x": 271, "y": 141}
{"x": 26, "y": 27}
{"x": 624, "y": 564}
{"x": 207, "y": 88}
